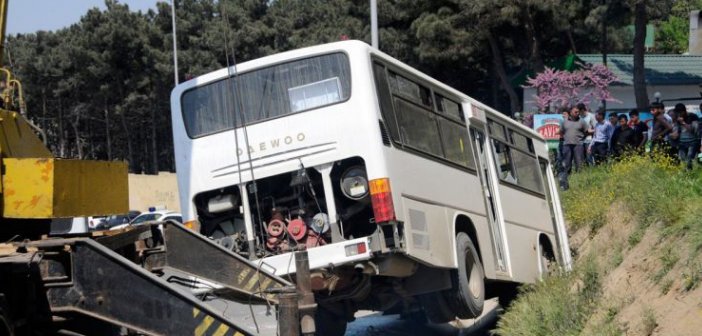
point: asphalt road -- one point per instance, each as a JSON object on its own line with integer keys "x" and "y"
{"x": 261, "y": 320}
{"x": 375, "y": 324}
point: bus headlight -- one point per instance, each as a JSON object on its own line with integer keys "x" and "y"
{"x": 354, "y": 183}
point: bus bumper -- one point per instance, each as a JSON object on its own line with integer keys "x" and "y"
{"x": 335, "y": 254}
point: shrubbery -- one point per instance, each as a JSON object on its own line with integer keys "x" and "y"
{"x": 559, "y": 305}
{"x": 653, "y": 190}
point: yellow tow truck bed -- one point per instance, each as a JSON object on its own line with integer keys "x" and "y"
{"x": 56, "y": 188}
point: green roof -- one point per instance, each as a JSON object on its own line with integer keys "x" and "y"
{"x": 561, "y": 63}
{"x": 660, "y": 69}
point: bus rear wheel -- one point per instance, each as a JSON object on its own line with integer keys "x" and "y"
{"x": 467, "y": 296}
{"x": 435, "y": 307}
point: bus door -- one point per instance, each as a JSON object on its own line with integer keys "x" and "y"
{"x": 492, "y": 202}
{"x": 550, "y": 186}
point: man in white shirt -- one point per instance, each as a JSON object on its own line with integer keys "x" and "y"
{"x": 589, "y": 119}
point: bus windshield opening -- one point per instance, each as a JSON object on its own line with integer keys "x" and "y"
{"x": 266, "y": 93}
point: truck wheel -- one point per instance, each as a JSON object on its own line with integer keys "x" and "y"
{"x": 436, "y": 309}
{"x": 328, "y": 323}
{"x": 467, "y": 296}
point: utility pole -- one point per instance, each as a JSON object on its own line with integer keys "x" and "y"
{"x": 374, "y": 23}
{"x": 604, "y": 43}
{"x": 175, "y": 45}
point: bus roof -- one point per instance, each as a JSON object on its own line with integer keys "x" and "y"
{"x": 348, "y": 46}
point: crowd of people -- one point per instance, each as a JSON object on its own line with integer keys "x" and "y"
{"x": 588, "y": 138}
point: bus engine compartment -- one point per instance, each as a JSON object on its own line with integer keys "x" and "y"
{"x": 289, "y": 211}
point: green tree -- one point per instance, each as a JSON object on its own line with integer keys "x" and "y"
{"x": 644, "y": 10}
{"x": 672, "y": 34}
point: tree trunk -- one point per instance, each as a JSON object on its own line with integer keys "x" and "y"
{"x": 534, "y": 45}
{"x": 128, "y": 138}
{"x": 154, "y": 142}
{"x": 143, "y": 163}
{"x": 494, "y": 88}
{"x": 91, "y": 141}
{"x": 569, "y": 34}
{"x": 61, "y": 134}
{"x": 47, "y": 140}
{"x": 108, "y": 139}
{"x": 502, "y": 73}
{"x": 74, "y": 125}
{"x": 639, "y": 50}
{"x": 43, "y": 111}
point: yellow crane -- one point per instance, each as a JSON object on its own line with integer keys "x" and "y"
{"x": 35, "y": 186}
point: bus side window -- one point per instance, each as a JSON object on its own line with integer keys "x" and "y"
{"x": 527, "y": 171}
{"x": 410, "y": 90}
{"x": 497, "y": 131}
{"x": 504, "y": 162}
{"x": 418, "y": 127}
{"x": 456, "y": 143}
{"x": 449, "y": 108}
{"x": 522, "y": 142}
{"x": 385, "y": 100}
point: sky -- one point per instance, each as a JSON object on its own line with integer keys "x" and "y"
{"x": 28, "y": 16}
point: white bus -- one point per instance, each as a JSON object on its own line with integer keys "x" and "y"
{"x": 407, "y": 193}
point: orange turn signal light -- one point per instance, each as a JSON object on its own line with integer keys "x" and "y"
{"x": 192, "y": 225}
{"x": 379, "y": 186}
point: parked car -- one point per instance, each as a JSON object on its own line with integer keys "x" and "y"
{"x": 94, "y": 222}
{"x": 76, "y": 225}
{"x": 114, "y": 220}
{"x": 152, "y": 216}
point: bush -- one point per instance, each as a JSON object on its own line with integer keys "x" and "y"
{"x": 559, "y": 305}
{"x": 653, "y": 188}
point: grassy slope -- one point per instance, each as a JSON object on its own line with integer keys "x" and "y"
{"x": 636, "y": 228}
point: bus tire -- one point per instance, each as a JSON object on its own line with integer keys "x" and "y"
{"x": 546, "y": 262}
{"x": 435, "y": 307}
{"x": 467, "y": 296}
{"x": 329, "y": 323}
{"x": 5, "y": 329}
{"x": 5, "y": 321}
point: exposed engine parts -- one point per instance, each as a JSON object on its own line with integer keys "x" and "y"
{"x": 288, "y": 211}
{"x": 286, "y": 233}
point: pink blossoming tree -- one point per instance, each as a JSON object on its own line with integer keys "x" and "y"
{"x": 559, "y": 88}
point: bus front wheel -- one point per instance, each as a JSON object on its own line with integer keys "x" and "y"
{"x": 435, "y": 307}
{"x": 467, "y": 296}
{"x": 546, "y": 261}
{"x": 328, "y": 322}
{"x": 5, "y": 321}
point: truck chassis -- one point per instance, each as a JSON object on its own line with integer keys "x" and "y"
{"x": 112, "y": 284}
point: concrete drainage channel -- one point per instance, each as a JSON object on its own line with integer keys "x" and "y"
{"x": 369, "y": 323}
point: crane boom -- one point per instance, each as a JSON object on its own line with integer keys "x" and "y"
{"x": 3, "y": 25}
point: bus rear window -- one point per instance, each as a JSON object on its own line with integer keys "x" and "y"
{"x": 266, "y": 93}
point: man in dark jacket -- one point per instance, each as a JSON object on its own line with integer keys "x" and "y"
{"x": 624, "y": 138}
{"x": 661, "y": 128}
{"x": 640, "y": 129}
